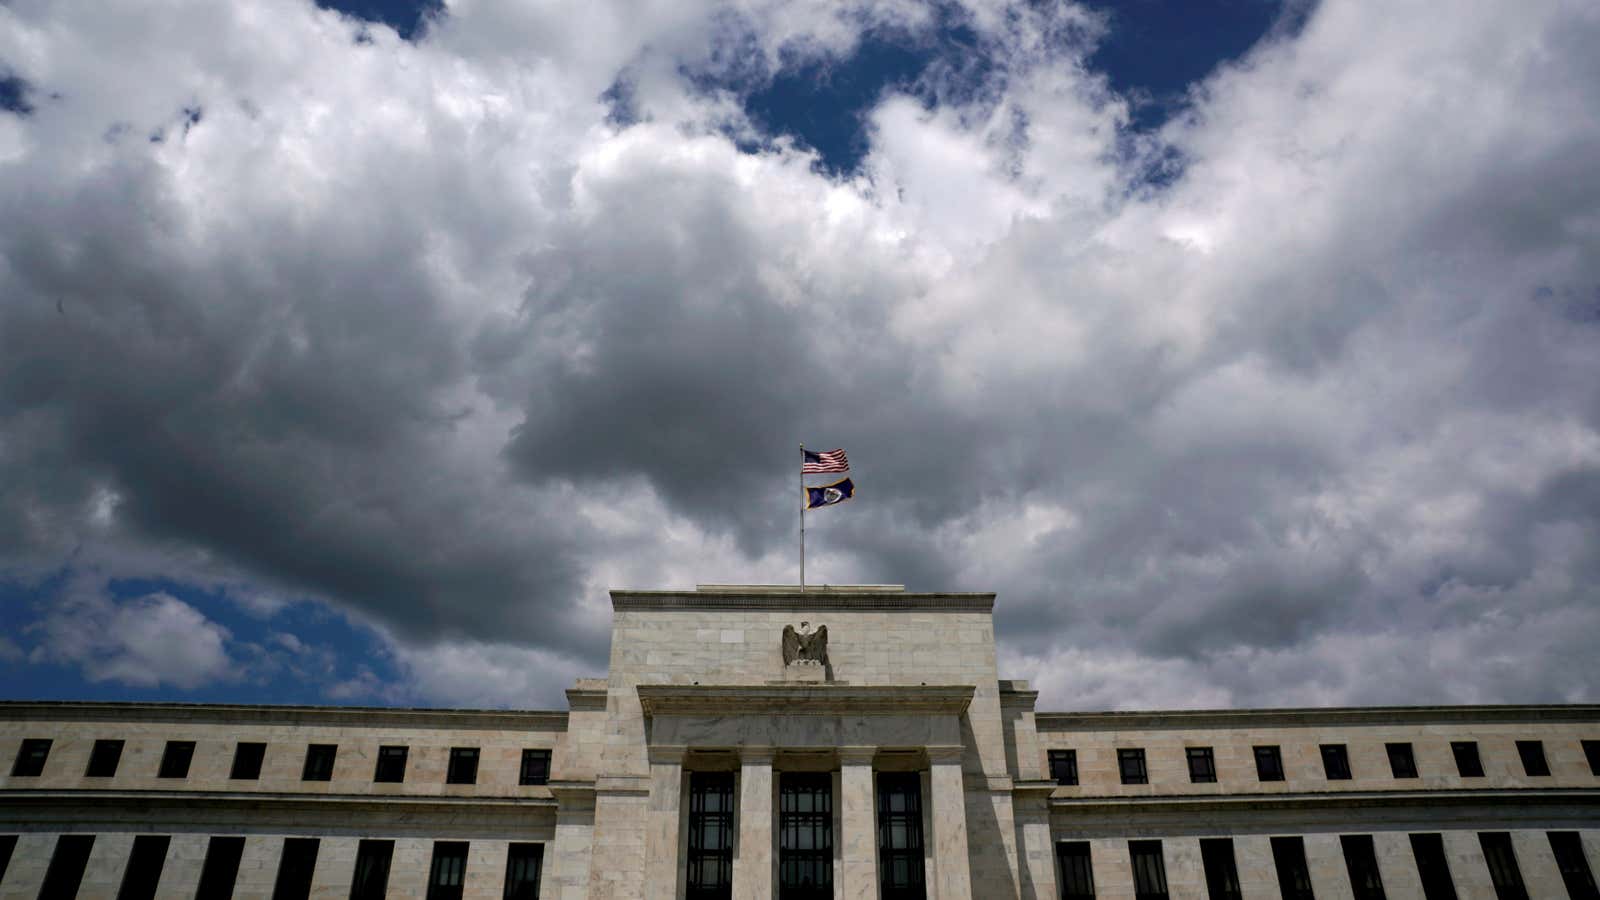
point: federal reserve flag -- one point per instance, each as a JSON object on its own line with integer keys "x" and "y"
{"x": 829, "y": 494}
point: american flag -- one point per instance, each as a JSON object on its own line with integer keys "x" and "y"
{"x": 814, "y": 463}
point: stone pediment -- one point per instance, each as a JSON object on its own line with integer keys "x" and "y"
{"x": 804, "y": 699}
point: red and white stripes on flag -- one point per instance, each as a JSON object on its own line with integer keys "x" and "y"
{"x": 814, "y": 463}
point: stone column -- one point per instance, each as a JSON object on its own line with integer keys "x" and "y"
{"x": 665, "y": 814}
{"x": 950, "y": 864}
{"x": 752, "y": 860}
{"x": 564, "y": 873}
{"x": 858, "y": 831}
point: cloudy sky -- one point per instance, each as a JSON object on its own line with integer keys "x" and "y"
{"x": 1249, "y": 350}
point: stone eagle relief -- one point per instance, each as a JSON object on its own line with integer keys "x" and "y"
{"x": 800, "y": 646}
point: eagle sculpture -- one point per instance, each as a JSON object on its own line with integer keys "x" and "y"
{"x": 800, "y": 646}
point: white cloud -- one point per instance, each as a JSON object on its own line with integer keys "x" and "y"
{"x": 151, "y": 641}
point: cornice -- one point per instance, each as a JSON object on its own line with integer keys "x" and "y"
{"x": 250, "y": 714}
{"x": 1307, "y": 717}
{"x": 1344, "y": 800}
{"x": 782, "y": 601}
{"x": 803, "y": 700}
{"x": 260, "y": 800}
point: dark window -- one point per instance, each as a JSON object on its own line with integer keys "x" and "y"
{"x": 1502, "y": 860}
{"x": 1431, "y": 866}
{"x": 371, "y": 877}
{"x": 143, "y": 874}
{"x": 805, "y": 836}
{"x": 448, "y": 874}
{"x": 295, "y": 868}
{"x": 900, "y": 836}
{"x": 319, "y": 762}
{"x": 66, "y": 867}
{"x": 1202, "y": 765}
{"x": 463, "y": 766}
{"x": 522, "y": 872}
{"x": 103, "y": 759}
{"x": 710, "y": 856}
{"x": 535, "y": 767}
{"x": 30, "y": 758}
{"x": 1401, "y": 763}
{"x": 1361, "y": 861}
{"x": 8, "y": 844}
{"x": 1130, "y": 762}
{"x": 1591, "y": 752}
{"x": 221, "y": 868}
{"x": 1294, "y": 879}
{"x": 1468, "y": 765}
{"x": 175, "y": 759}
{"x": 1568, "y": 850}
{"x": 1532, "y": 753}
{"x": 1077, "y": 874}
{"x": 1149, "y": 871}
{"x": 1269, "y": 764}
{"x": 1222, "y": 875}
{"x": 247, "y": 761}
{"x": 1336, "y": 762}
{"x": 1064, "y": 766}
{"x": 391, "y": 764}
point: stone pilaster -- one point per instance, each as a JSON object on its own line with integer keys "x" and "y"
{"x": 752, "y": 860}
{"x": 952, "y": 868}
{"x": 665, "y": 814}
{"x": 1031, "y": 806}
{"x": 858, "y": 834}
{"x": 565, "y": 868}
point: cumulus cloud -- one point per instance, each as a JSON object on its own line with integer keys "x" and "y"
{"x": 151, "y": 641}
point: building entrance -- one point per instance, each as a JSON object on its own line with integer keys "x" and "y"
{"x": 805, "y": 836}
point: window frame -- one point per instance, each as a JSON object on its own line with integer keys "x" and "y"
{"x": 63, "y": 876}
{"x": 390, "y": 766}
{"x": 1469, "y": 762}
{"x": 527, "y": 777}
{"x": 1149, "y": 881}
{"x": 248, "y": 757}
{"x": 373, "y": 884}
{"x": 711, "y": 837}
{"x": 313, "y": 769}
{"x": 1063, "y": 765}
{"x": 25, "y": 766}
{"x": 522, "y": 860}
{"x": 297, "y": 866}
{"x": 1591, "y": 752}
{"x": 1573, "y": 864}
{"x": 1534, "y": 763}
{"x": 804, "y": 842}
{"x": 1398, "y": 752}
{"x": 1361, "y": 863}
{"x": 1433, "y": 866}
{"x": 447, "y": 871}
{"x": 1075, "y": 869}
{"x": 1126, "y": 755}
{"x": 1221, "y": 869}
{"x": 104, "y": 758}
{"x": 1293, "y": 871}
{"x": 141, "y": 875}
{"x": 1208, "y": 756}
{"x": 1505, "y": 875}
{"x": 1336, "y": 762}
{"x": 906, "y": 822}
{"x": 457, "y": 771}
{"x": 219, "y": 874}
{"x": 1269, "y": 762}
{"x": 177, "y": 757}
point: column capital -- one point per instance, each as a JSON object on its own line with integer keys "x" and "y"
{"x": 757, "y": 755}
{"x": 857, "y": 756}
{"x": 667, "y": 754}
{"x": 942, "y": 754}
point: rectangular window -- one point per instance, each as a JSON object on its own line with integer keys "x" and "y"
{"x": 1149, "y": 870}
{"x": 1574, "y": 866}
{"x": 30, "y": 758}
{"x": 1294, "y": 878}
{"x": 1532, "y": 753}
{"x": 448, "y": 874}
{"x": 103, "y": 759}
{"x": 66, "y": 867}
{"x": 1269, "y": 764}
{"x": 1336, "y": 762}
{"x": 1202, "y": 765}
{"x": 8, "y": 845}
{"x": 1401, "y": 763}
{"x": 1077, "y": 873}
{"x": 1130, "y": 762}
{"x": 1432, "y": 867}
{"x": 805, "y": 836}
{"x": 535, "y": 767}
{"x": 371, "y": 878}
{"x": 1468, "y": 765}
{"x": 247, "y": 761}
{"x": 1361, "y": 861}
{"x": 391, "y": 766}
{"x": 1222, "y": 874}
{"x": 319, "y": 762}
{"x": 463, "y": 766}
{"x": 1591, "y": 752}
{"x": 1064, "y": 766}
{"x": 145, "y": 862}
{"x": 221, "y": 868}
{"x": 900, "y": 836}
{"x": 1503, "y": 871}
{"x": 710, "y": 856}
{"x": 295, "y": 868}
{"x": 175, "y": 759}
{"x": 522, "y": 872}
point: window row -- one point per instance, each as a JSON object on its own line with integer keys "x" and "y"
{"x": 1335, "y": 762}
{"x": 369, "y": 879}
{"x": 248, "y": 756}
{"x": 1361, "y": 864}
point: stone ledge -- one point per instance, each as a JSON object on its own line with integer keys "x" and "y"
{"x": 794, "y": 600}
{"x": 12, "y": 797}
{"x": 1327, "y": 800}
{"x": 1177, "y": 720}
{"x": 234, "y": 714}
{"x": 803, "y": 699}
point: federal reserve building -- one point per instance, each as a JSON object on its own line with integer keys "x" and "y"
{"x": 755, "y": 742}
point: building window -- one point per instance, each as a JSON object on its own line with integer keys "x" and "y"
{"x": 295, "y": 868}
{"x": 900, "y": 836}
{"x": 66, "y": 867}
{"x": 1502, "y": 860}
{"x": 1294, "y": 878}
{"x": 391, "y": 767}
{"x": 448, "y": 874}
{"x": 143, "y": 874}
{"x": 463, "y": 766}
{"x": 805, "y": 836}
{"x": 1574, "y": 866}
{"x": 1468, "y": 765}
{"x": 8, "y": 844}
{"x": 103, "y": 759}
{"x": 371, "y": 877}
{"x": 221, "y": 868}
{"x": 1202, "y": 765}
{"x": 1064, "y": 766}
{"x": 1336, "y": 762}
{"x": 175, "y": 759}
{"x": 1532, "y": 753}
{"x": 1401, "y": 763}
{"x": 30, "y": 758}
{"x": 1077, "y": 874}
{"x": 1432, "y": 867}
{"x": 522, "y": 871}
{"x": 1591, "y": 752}
{"x": 1269, "y": 764}
{"x": 1361, "y": 861}
{"x": 1130, "y": 762}
{"x": 1222, "y": 874}
{"x": 1149, "y": 871}
{"x": 535, "y": 767}
{"x": 319, "y": 762}
{"x": 710, "y": 856}
{"x": 247, "y": 759}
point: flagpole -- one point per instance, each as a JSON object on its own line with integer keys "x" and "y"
{"x": 802, "y": 518}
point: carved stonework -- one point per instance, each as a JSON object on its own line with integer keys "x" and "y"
{"x": 805, "y": 646}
